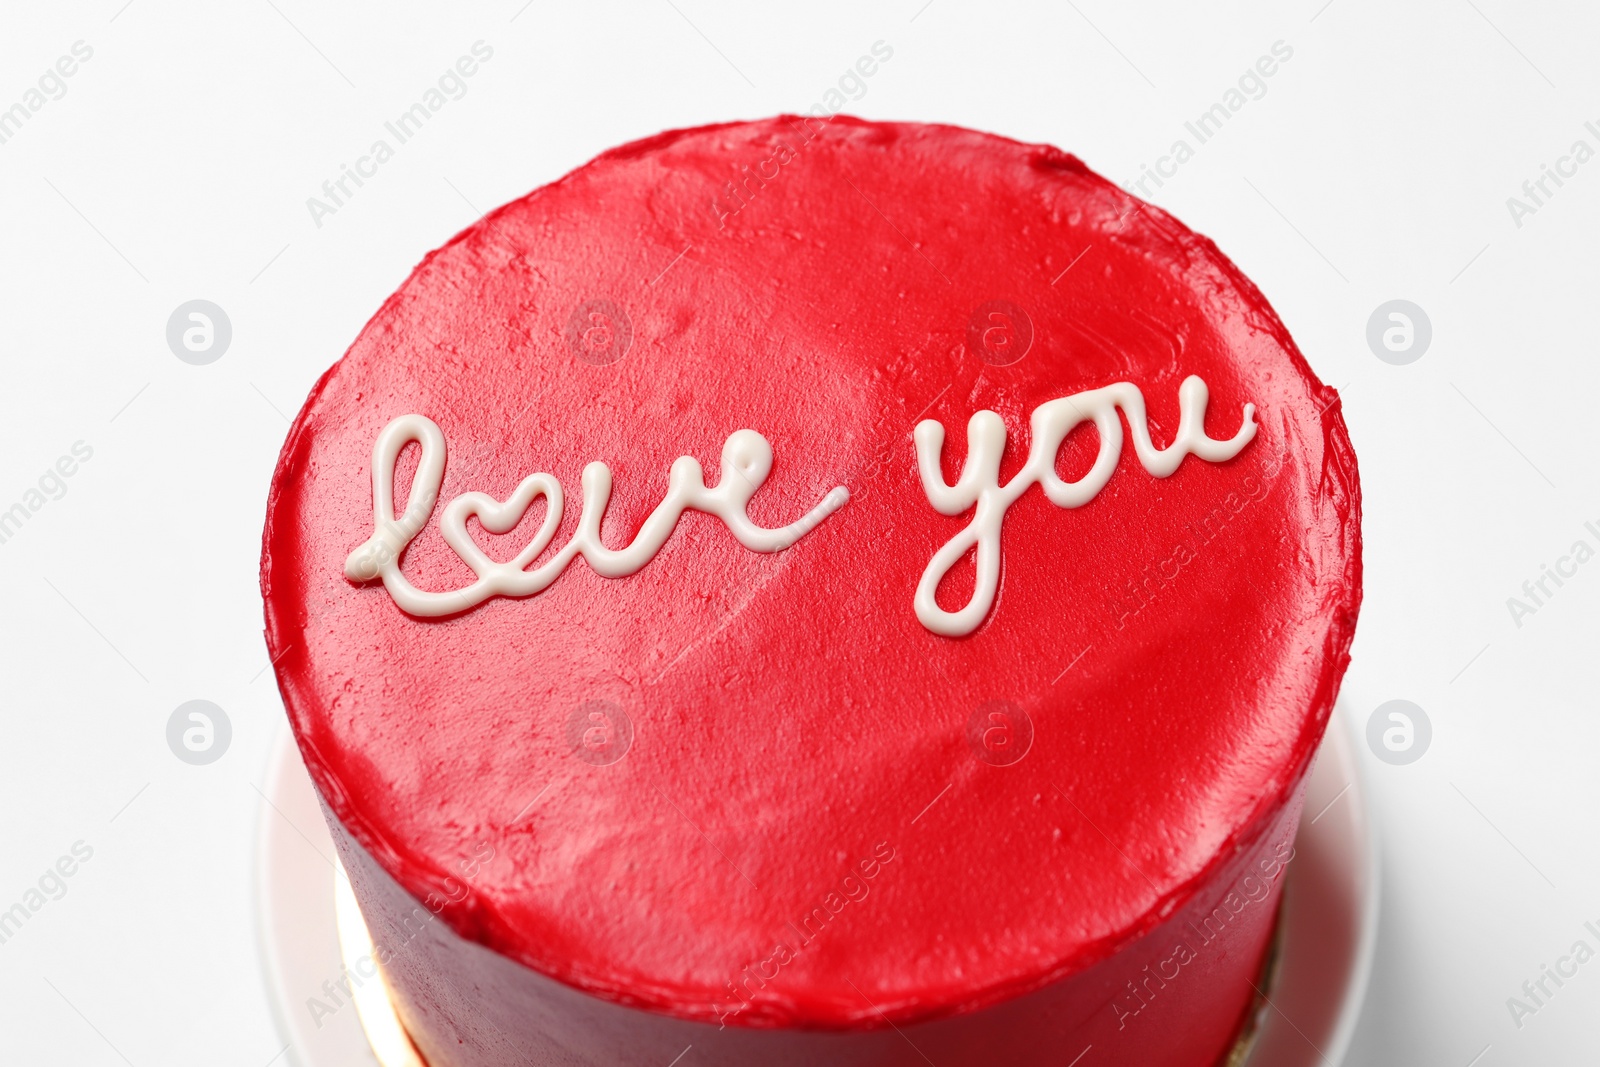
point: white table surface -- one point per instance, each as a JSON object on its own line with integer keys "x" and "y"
{"x": 177, "y": 164}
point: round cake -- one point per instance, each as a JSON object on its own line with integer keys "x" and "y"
{"x": 817, "y": 592}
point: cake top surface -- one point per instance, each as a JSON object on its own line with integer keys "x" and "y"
{"x": 889, "y": 544}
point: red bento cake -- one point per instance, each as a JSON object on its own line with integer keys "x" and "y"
{"x": 969, "y": 565}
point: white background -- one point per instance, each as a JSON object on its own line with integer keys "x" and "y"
{"x": 178, "y": 164}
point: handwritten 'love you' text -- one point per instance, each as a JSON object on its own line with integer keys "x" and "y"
{"x": 746, "y": 462}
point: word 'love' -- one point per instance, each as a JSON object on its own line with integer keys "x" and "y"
{"x": 746, "y": 462}
{"x": 979, "y": 484}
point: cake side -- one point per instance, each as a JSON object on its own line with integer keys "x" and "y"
{"x": 1181, "y": 996}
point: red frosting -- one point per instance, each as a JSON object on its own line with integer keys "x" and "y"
{"x": 799, "y": 741}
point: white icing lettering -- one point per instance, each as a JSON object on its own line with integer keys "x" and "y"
{"x": 979, "y": 485}
{"x": 746, "y": 462}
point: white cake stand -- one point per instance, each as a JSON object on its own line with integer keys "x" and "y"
{"x": 310, "y": 925}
